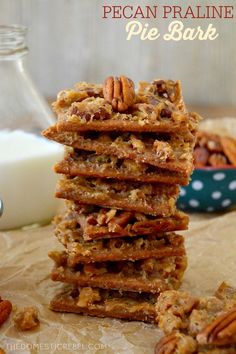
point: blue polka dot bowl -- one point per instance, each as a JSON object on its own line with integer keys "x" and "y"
{"x": 211, "y": 189}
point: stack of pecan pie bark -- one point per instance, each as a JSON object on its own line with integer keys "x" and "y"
{"x": 127, "y": 153}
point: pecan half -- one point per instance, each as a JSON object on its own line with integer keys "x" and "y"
{"x": 201, "y": 156}
{"x": 5, "y": 310}
{"x": 119, "y": 92}
{"x": 217, "y": 160}
{"x": 229, "y": 148}
{"x": 176, "y": 343}
{"x": 222, "y": 331}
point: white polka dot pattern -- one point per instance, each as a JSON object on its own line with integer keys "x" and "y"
{"x": 219, "y": 176}
{"x": 210, "y": 209}
{"x": 232, "y": 185}
{"x": 194, "y": 203}
{"x": 182, "y": 192}
{"x": 226, "y": 202}
{"x": 215, "y": 192}
{"x": 216, "y": 195}
{"x": 197, "y": 185}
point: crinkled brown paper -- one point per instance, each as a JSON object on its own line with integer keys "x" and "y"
{"x": 24, "y": 280}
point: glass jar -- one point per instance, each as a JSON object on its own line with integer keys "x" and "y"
{"x": 26, "y": 178}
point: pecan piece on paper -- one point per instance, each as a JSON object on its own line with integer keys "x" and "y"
{"x": 26, "y": 319}
{"x": 176, "y": 343}
{"x": 119, "y": 92}
{"x": 222, "y": 331}
{"x": 5, "y": 310}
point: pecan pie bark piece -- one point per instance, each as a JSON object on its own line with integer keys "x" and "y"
{"x": 142, "y": 117}
{"x": 94, "y": 222}
{"x": 83, "y": 163}
{"x": 151, "y": 199}
{"x": 106, "y": 303}
{"x": 140, "y": 247}
{"x": 149, "y": 275}
{"x": 122, "y": 249}
{"x": 158, "y": 110}
{"x": 170, "y": 153}
{"x": 173, "y": 309}
{"x": 81, "y": 91}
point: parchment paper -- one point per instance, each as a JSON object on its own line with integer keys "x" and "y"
{"x": 24, "y": 280}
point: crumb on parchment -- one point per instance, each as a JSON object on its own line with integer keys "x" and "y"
{"x": 26, "y": 318}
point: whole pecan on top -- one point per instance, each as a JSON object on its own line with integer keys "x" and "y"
{"x": 119, "y": 92}
{"x": 222, "y": 331}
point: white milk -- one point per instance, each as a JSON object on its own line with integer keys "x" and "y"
{"x": 27, "y": 181}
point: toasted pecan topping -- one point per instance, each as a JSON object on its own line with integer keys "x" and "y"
{"x": 119, "y": 91}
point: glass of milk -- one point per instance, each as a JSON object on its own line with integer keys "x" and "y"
{"x": 27, "y": 181}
